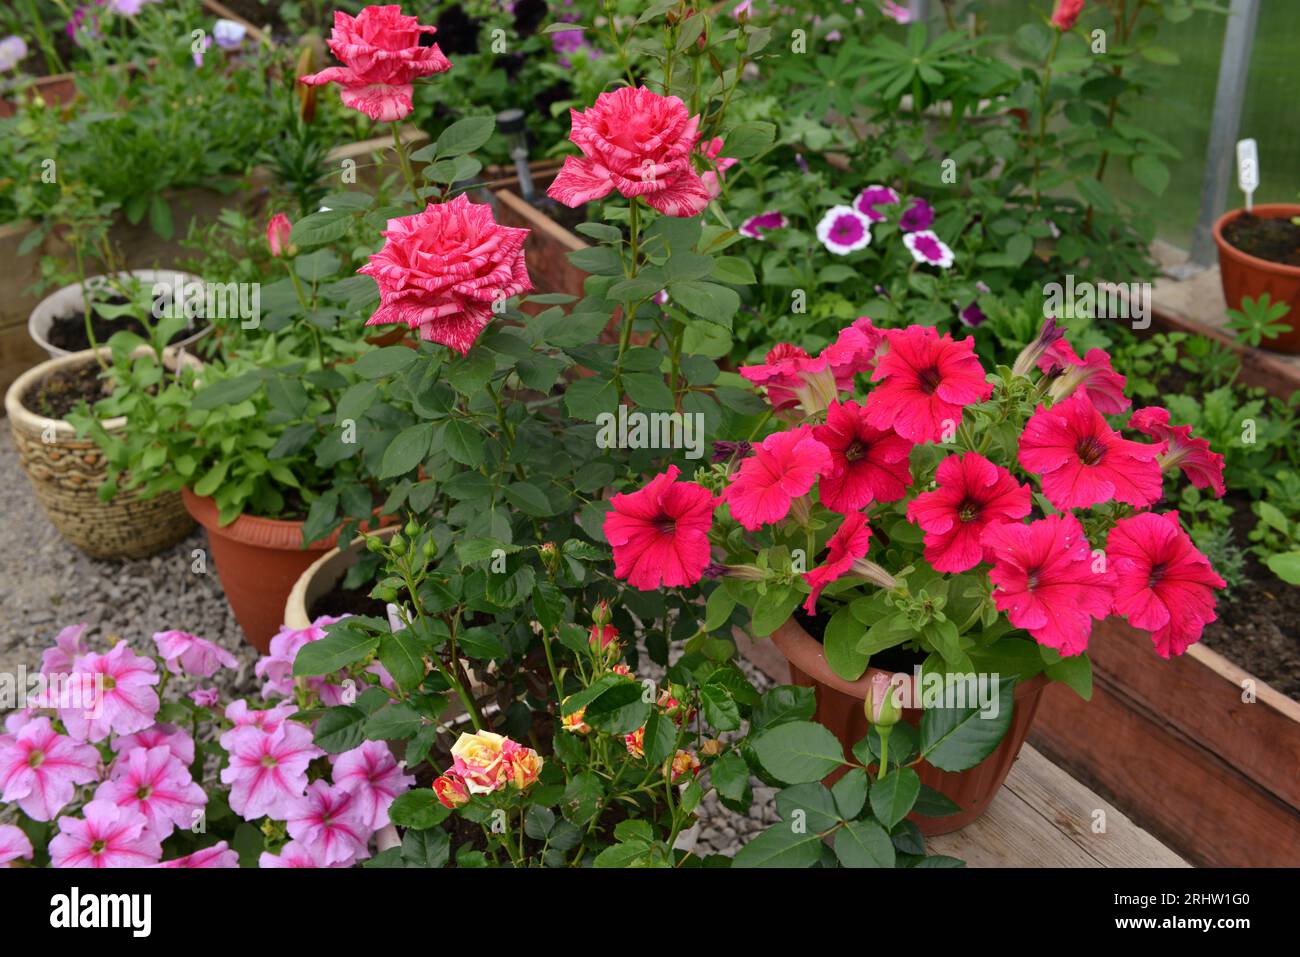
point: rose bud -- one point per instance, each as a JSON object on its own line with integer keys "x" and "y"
{"x": 523, "y": 764}
{"x": 883, "y": 707}
{"x": 602, "y": 637}
{"x": 600, "y": 614}
{"x": 277, "y": 235}
{"x": 451, "y": 790}
{"x": 685, "y": 763}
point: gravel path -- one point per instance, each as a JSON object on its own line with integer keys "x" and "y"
{"x": 47, "y": 584}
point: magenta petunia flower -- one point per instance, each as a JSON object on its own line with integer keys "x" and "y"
{"x": 928, "y": 249}
{"x": 1092, "y": 374}
{"x": 1048, "y": 581}
{"x": 328, "y": 820}
{"x": 106, "y": 836}
{"x": 756, "y": 226}
{"x": 843, "y": 230}
{"x": 372, "y": 774}
{"x": 219, "y": 855}
{"x": 792, "y": 377}
{"x": 153, "y": 782}
{"x": 849, "y": 543}
{"x": 638, "y": 143}
{"x": 292, "y": 854}
{"x": 197, "y": 657}
{"x": 1182, "y": 450}
{"x": 660, "y": 533}
{"x": 874, "y": 196}
{"x": 444, "y": 270}
{"x": 1081, "y": 461}
{"x": 107, "y": 693}
{"x": 867, "y": 464}
{"x": 40, "y": 769}
{"x": 268, "y": 769}
{"x": 783, "y": 468}
{"x": 918, "y": 216}
{"x": 383, "y": 56}
{"x": 1163, "y": 585}
{"x": 68, "y": 645}
{"x": 13, "y": 844}
{"x": 972, "y": 494}
{"x": 926, "y": 380}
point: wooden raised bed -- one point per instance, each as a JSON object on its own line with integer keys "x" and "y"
{"x": 549, "y": 244}
{"x": 1173, "y": 743}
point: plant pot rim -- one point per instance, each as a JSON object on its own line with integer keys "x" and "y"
{"x": 1263, "y": 211}
{"x": 296, "y": 612}
{"x": 41, "y": 317}
{"x": 808, "y": 655}
{"x": 247, "y": 529}
{"x": 22, "y": 417}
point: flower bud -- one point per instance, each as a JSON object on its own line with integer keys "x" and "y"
{"x": 600, "y": 614}
{"x": 277, "y": 235}
{"x": 601, "y": 637}
{"x": 451, "y": 790}
{"x": 883, "y": 707}
{"x": 374, "y": 544}
{"x": 711, "y": 747}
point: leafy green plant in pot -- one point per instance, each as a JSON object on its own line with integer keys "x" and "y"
{"x": 978, "y": 584}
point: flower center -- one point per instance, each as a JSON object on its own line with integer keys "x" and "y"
{"x": 143, "y": 793}
{"x": 35, "y": 759}
{"x": 1031, "y": 578}
{"x": 1157, "y": 573}
{"x": 666, "y": 525}
{"x": 1091, "y": 450}
{"x": 930, "y": 379}
{"x": 968, "y": 511}
{"x": 269, "y": 761}
{"x": 109, "y": 683}
{"x": 98, "y": 847}
{"x": 858, "y": 450}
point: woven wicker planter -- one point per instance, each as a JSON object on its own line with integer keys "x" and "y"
{"x": 66, "y": 472}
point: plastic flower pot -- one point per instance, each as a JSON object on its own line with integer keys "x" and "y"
{"x": 840, "y": 709}
{"x": 1245, "y": 275}
{"x": 258, "y": 561}
{"x": 66, "y": 472}
{"x": 71, "y": 299}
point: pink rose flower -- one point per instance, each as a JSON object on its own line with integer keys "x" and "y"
{"x": 153, "y": 782}
{"x": 441, "y": 271}
{"x": 637, "y": 143}
{"x": 40, "y": 769}
{"x": 197, "y": 657}
{"x": 451, "y": 790}
{"x": 108, "y": 836}
{"x": 382, "y": 52}
{"x": 218, "y": 855}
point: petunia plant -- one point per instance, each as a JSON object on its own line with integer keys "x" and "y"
{"x": 943, "y": 519}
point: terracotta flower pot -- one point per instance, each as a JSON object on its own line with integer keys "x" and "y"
{"x": 258, "y": 561}
{"x": 839, "y": 708}
{"x": 66, "y": 472}
{"x": 1245, "y": 275}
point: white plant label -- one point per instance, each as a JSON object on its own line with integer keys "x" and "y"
{"x": 1248, "y": 170}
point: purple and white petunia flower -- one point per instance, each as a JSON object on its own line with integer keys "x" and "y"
{"x": 755, "y": 226}
{"x": 928, "y": 249}
{"x": 844, "y": 230}
{"x": 874, "y": 196}
{"x": 918, "y": 216}
{"x": 12, "y": 52}
{"x": 228, "y": 34}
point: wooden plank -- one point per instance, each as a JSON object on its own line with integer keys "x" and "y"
{"x": 1185, "y": 795}
{"x": 1200, "y": 694}
{"x": 1073, "y": 808}
{"x": 1042, "y": 818}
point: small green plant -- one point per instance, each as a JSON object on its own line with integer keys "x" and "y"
{"x": 1258, "y": 319}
